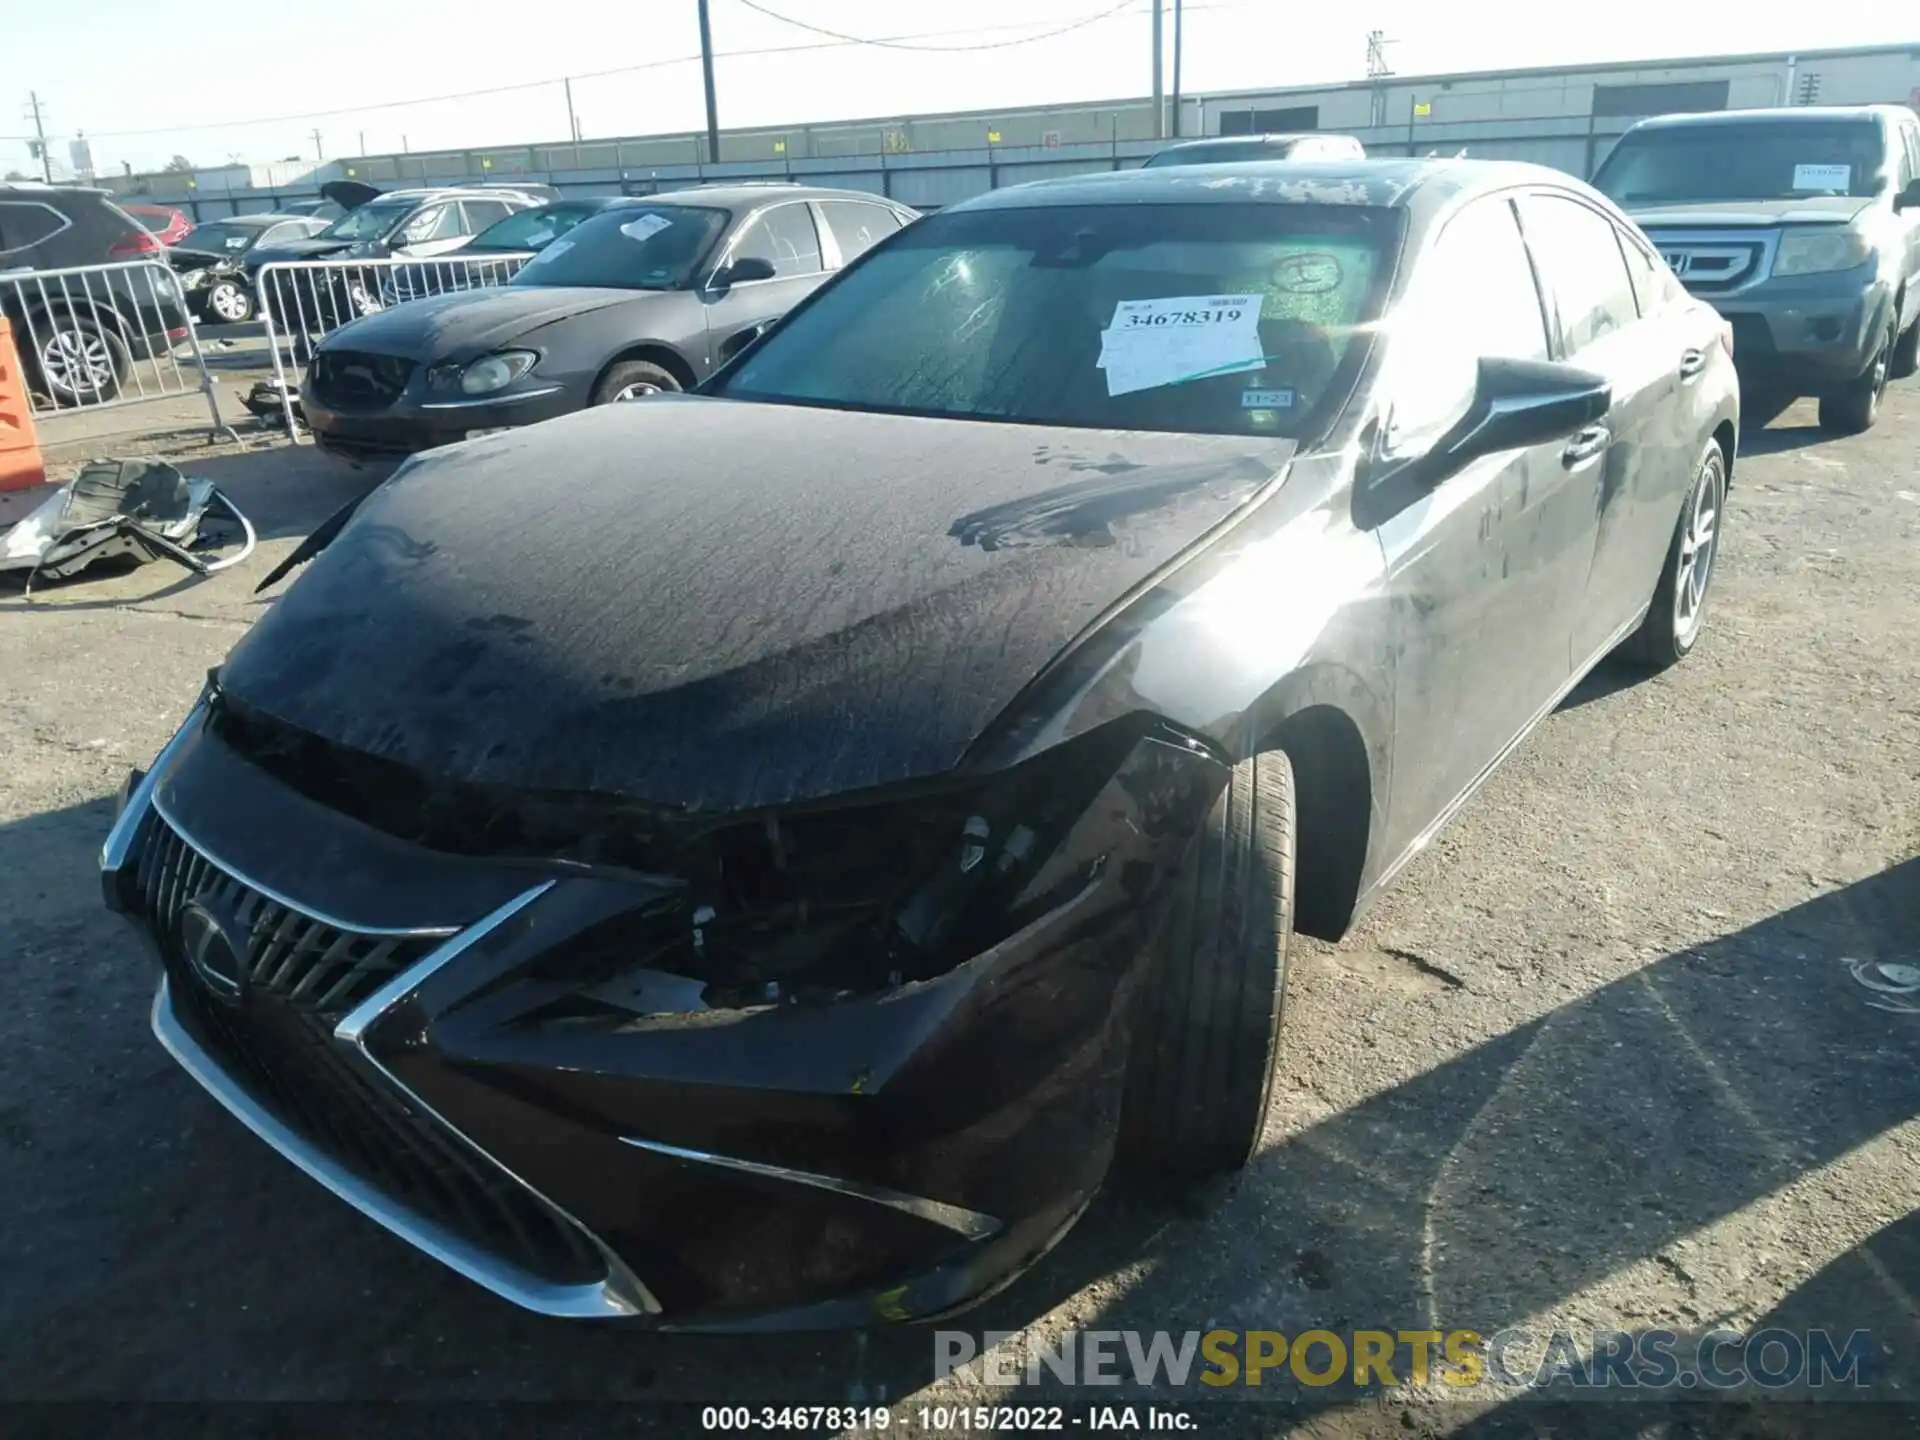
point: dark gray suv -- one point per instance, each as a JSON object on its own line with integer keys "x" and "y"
{"x": 1802, "y": 227}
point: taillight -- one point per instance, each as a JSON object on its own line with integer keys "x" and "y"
{"x": 134, "y": 246}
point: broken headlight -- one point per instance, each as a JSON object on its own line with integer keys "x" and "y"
{"x": 822, "y": 902}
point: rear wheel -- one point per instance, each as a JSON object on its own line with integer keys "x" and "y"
{"x": 1854, "y": 409}
{"x": 79, "y": 360}
{"x": 633, "y": 380}
{"x": 1207, "y": 1029}
{"x": 1906, "y": 353}
{"x": 1679, "y": 606}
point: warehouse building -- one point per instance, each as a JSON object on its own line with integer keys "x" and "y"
{"x": 1566, "y": 117}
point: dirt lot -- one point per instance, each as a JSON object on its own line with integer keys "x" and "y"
{"x": 1603, "y": 1058}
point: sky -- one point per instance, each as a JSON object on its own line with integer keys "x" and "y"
{"x": 248, "y": 82}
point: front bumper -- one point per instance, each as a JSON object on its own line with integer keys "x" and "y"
{"x": 885, "y": 1156}
{"x": 1813, "y": 332}
{"x": 409, "y": 425}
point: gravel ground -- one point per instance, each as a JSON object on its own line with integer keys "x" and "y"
{"x": 1604, "y": 1057}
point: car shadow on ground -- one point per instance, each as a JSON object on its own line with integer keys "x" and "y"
{"x": 1595, "y": 1140}
{"x": 162, "y": 1252}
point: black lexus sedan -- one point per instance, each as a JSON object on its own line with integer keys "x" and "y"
{"x": 645, "y": 297}
{"x": 757, "y": 857}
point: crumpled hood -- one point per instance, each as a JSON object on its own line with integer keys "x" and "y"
{"x": 1748, "y": 214}
{"x": 465, "y": 323}
{"x": 718, "y": 605}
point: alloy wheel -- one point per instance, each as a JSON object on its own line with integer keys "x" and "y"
{"x": 636, "y": 391}
{"x": 228, "y": 302}
{"x": 1699, "y": 544}
{"x": 77, "y": 362}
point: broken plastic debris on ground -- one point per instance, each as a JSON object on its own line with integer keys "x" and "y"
{"x": 142, "y": 508}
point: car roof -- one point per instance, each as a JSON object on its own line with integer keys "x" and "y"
{"x": 1278, "y": 137}
{"x": 260, "y": 218}
{"x": 1835, "y": 114}
{"x": 739, "y": 196}
{"x": 1407, "y": 183}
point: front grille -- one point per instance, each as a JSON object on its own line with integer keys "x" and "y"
{"x": 276, "y": 1042}
{"x": 291, "y": 957}
{"x": 354, "y": 380}
{"x": 1713, "y": 269}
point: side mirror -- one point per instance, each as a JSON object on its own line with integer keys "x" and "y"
{"x": 1909, "y": 198}
{"x": 1517, "y": 403}
{"x": 747, "y": 267}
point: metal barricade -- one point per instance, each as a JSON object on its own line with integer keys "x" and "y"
{"x": 92, "y": 337}
{"x": 301, "y": 302}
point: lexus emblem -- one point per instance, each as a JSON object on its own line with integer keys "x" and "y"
{"x": 214, "y": 943}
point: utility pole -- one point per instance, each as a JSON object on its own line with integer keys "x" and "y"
{"x": 1159, "y": 103}
{"x": 1176, "y": 70}
{"x": 318, "y": 153}
{"x": 39, "y": 129}
{"x": 363, "y": 142}
{"x": 706, "y": 71}
{"x": 573, "y": 119}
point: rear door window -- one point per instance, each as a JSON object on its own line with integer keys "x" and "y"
{"x": 784, "y": 236}
{"x": 857, "y": 228}
{"x": 482, "y": 213}
{"x": 1578, "y": 252}
{"x": 24, "y": 223}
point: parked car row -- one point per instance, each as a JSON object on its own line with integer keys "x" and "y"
{"x": 628, "y": 298}
{"x": 755, "y": 857}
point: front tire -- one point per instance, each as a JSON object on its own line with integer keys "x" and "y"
{"x": 633, "y": 380}
{"x": 1207, "y": 1028}
{"x": 229, "y": 303}
{"x": 1854, "y": 409}
{"x": 1679, "y": 608}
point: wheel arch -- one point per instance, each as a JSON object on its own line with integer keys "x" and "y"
{"x": 654, "y": 352}
{"x": 1335, "y": 732}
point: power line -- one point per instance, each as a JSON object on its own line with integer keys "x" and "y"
{"x": 896, "y": 44}
{"x": 558, "y": 79}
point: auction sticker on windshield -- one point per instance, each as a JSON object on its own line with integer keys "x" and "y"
{"x": 1822, "y": 177}
{"x": 1177, "y": 338}
{"x": 645, "y": 226}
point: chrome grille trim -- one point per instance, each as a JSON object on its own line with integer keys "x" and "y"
{"x": 591, "y": 1301}
{"x": 140, "y": 831}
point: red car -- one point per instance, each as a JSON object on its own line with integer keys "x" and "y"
{"x": 166, "y": 224}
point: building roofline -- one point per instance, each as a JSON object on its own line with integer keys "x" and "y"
{"x": 1578, "y": 68}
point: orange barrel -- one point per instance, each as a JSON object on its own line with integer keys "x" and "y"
{"x": 20, "y": 463}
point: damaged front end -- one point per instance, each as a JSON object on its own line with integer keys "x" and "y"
{"x": 810, "y": 1065}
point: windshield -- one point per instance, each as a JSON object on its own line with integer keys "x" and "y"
{"x": 1225, "y": 154}
{"x": 220, "y": 239}
{"x": 1210, "y": 319}
{"x": 1762, "y": 161}
{"x": 650, "y": 247}
{"x": 370, "y": 221}
{"x": 532, "y": 229}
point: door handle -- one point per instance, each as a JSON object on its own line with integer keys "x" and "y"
{"x": 1585, "y": 445}
{"x": 1692, "y": 362}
